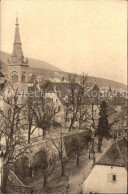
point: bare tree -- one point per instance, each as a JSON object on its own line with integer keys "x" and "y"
{"x": 44, "y": 114}
{"x": 76, "y": 88}
{"x": 13, "y": 122}
{"x": 43, "y": 165}
{"x": 77, "y": 148}
{"x": 30, "y": 119}
{"x": 44, "y": 110}
{"x": 67, "y": 186}
{"x": 47, "y": 172}
{"x": 59, "y": 145}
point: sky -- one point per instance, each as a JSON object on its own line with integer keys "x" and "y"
{"x": 79, "y": 36}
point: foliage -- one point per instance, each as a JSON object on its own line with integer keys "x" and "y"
{"x": 103, "y": 128}
{"x": 40, "y": 160}
{"x": 21, "y": 167}
{"x": 43, "y": 165}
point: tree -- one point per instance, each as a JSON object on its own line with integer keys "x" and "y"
{"x": 21, "y": 168}
{"x": 75, "y": 98}
{"x": 67, "y": 186}
{"x": 13, "y": 122}
{"x": 91, "y": 120}
{"x": 30, "y": 119}
{"x": 103, "y": 128}
{"x": 44, "y": 110}
{"x": 42, "y": 164}
{"x": 59, "y": 145}
{"x": 77, "y": 148}
{"x": 108, "y": 117}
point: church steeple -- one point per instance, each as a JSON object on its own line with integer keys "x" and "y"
{"x": 17, "y": 54}
{"x": 18, "y": 65}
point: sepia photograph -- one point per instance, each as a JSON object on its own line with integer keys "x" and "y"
{"x": 63, "y": 97}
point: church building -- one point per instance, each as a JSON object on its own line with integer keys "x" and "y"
{"x": 18, "y": 65}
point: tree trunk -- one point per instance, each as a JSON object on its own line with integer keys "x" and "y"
{"x": 89, "y": 155}
{"x": 5, "y": 179}
{"x": 99, "y": 144}
{"x": 45, "y": 182}
{"x": 94, "y": 160}
{"x": 43, "y": 133}
{"x": 62, "y": 169}
{"x": 71, "y": 125}
{"x": 77, "y": 160}
{"x": 31, "y": 171}
{"x": 79, "y": 124}
{"x": 29, "y": 135}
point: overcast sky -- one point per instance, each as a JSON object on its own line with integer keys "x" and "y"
{"x": 74, "y": 35}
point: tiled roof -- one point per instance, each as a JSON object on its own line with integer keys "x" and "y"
{"x": 116, "y": 155}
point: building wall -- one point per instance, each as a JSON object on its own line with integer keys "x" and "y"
{"x": 98, "y": 182}
{"x": 19, "y": 70}
{"x": 57, "y": 103}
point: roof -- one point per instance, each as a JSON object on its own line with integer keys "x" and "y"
{"x": 32, "y": 79}
{"x": 95, "y": 88}
{"x": 116, "y": 155}
{"x": 62, "y": 88}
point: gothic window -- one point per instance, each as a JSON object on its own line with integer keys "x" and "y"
{"x": 23, "y": 76}
{"x": 14, "y": 76}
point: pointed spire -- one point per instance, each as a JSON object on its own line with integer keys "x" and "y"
{"x": 17, "y": 55}
{"x": 17, "y": 33}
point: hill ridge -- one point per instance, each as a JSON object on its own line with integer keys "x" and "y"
{"x": 49, "y": 71}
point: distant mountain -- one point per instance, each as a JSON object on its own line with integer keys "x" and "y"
{"x": 42, "y": 68}
{"x": 32, "y": 62}
{"x": 101, "y": 82}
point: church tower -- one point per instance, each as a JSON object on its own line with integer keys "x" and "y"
{"x": 18, "y": 66}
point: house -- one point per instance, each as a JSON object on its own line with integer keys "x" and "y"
{"x": 109, "y": 174}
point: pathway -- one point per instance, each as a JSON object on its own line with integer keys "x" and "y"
{"x": 75, "y": 181}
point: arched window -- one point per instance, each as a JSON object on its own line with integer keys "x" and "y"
{"x": 14, "y": 76}
{"x": 23, "y": 76}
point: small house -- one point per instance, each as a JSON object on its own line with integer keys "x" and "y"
{"x": 109, "y": 174}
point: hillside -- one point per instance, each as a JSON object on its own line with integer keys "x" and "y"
{"x": 32, "y": 62}
{"x": 47, "y": 70}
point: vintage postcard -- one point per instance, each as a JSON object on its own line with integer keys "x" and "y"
{"x": 63, "y": 96}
